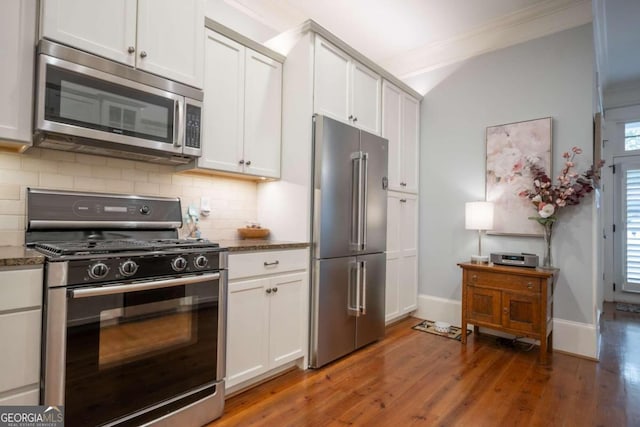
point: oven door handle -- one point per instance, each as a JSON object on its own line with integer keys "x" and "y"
{"x": 156, "y": 284}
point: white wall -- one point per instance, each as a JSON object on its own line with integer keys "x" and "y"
{"x": 550, "y": 76}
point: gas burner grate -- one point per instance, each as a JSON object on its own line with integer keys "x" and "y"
{"x": 90, "y": 247}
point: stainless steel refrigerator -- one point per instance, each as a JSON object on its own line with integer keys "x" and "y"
{"x": 349, "y": 239}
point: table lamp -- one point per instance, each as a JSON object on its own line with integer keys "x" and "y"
{"x": 479, "y": 216}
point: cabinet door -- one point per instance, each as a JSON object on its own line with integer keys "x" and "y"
{"x": 247, "y": 330}
{"x": 287, "y": 321}
{"x": 392, "y": 301}
{"x": 408, "y": 284}
{"x": 410, "y": 143}
{"x": 17, "y": 41}
{"x": 21, "y": 359}
{"x": 365, "y": 98}
{"x": 483, "y": 305}
{"x": 105, "y": 28}
{"x": 521, "y": 311}
{"x": 262, "y": 115}
{"x": 171, "y": 39}
{"x": 223, "y": 126}
{"x": 392, "y": 289}
{"x": 392, "y": 130}
{"x": 331, "y": 81}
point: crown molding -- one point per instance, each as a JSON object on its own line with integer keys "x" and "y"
{"x": 542, "y": 19}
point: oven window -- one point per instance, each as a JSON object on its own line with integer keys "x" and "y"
{"x": 130, "y": 351}
{"x": 81, "y": 100}
{"x": 136, "y": 332}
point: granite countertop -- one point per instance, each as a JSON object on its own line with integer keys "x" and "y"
{"x": 247, "y": 245}
{"x": 14, "y": 256}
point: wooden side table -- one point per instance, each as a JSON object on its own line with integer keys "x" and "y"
{"x": 515, "y": 300}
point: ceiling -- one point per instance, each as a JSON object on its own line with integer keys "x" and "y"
{"x": 423, "y": 41}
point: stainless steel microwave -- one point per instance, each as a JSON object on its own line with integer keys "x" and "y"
{"x": 88, "y": 104}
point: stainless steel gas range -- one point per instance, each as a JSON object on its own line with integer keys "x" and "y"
{"x": 134, "y": 318}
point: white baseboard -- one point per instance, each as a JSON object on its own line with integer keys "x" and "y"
{"x": 576, "y": 338}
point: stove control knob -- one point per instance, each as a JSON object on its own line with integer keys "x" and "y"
{"x": 98, "y": 270}
{"x": 179, "y": 264}
{"x": 201, "y": 261}
{"x": 128, "y": 268}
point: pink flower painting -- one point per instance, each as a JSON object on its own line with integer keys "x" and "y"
{"x": 510, "y": 149}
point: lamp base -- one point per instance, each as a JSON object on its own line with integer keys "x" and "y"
{"x": 479, "y": 259}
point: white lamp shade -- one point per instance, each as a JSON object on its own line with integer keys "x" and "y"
{"x": 478, "y": 216}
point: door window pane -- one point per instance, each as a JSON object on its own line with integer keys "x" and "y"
{"x": 632, "y": 136}
{"x": 632, "y": 246}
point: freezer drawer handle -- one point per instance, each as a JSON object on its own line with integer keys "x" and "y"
{"x": 267, "y": 264}
{"x": 353, "y": 307}
{"x": 363, "y": 278}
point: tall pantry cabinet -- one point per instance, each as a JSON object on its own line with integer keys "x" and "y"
{"x": 323, "y": 75}
{"x": 401, "y": 126}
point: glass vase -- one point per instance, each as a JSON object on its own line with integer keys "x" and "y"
{"x": 547, "y": 261}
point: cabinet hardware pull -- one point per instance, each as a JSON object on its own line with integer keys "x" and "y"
{"x": 248, "y": 163}
{"x": 506, "y": 310}
{"x": 241, "y": 162}
{"x": 403, "y": 200}
{"x": 268, "y": 290}
{"x": 474, "y": 277}
{"x": 276, "y": 262}
{"x": 274, "y": 290}
{"x": 131, "y": 49}
{"x": 403, "y": 184}
{"x": 355, "y": 119}
{"x": 143, "y": 54}
{"x": 530, "y": 285}
{"x": 351, "y": 117}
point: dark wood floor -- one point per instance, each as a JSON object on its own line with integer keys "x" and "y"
{"x": 415, "y": 378}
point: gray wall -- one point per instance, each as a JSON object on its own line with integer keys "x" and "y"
{"x": 551, "y": 76}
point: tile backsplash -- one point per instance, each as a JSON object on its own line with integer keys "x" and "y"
{"x": 233, "y": 201}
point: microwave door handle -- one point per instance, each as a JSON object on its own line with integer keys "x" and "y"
{"x": 155, "y": 284}
{"x": 178, "y": 127}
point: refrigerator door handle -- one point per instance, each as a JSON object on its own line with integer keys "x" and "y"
{"x": 363, "y": 278}
{"x": 365, "y": 192}
{"x": 356, "y": 200}
{"x": 353, "y": 305}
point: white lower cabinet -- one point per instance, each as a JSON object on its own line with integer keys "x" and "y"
{"x": 402, "y": 255}
{"x": 267, "y": 318}
{"x": 20, "y": 331}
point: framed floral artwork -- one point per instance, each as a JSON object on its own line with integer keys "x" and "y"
{"x": 509, "y": 148}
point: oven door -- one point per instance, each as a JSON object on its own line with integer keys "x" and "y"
{"x": 135, "y": 352}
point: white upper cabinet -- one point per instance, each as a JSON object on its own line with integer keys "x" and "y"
{"x": 106, "y": 28}
{"x": 262, "y": 114}
{"x": 242, "y": 109}
{"x": 164, "y": 37}
{"x": 17, "y": 41}
{"x": 345, "y": 89}
{"x": 171, "y": 39}
{"x": 400, "y": 125}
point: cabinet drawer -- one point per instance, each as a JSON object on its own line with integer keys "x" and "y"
{"x": 20, "y": 288}
{"x": 267, "y": 262}
{"x": 503, "y": 281}
{"x": 20, "y": 338}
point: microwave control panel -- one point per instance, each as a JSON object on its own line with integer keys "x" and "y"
{"x": 192, "y": 128}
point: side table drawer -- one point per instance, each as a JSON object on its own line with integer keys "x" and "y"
{"x": 503, "y": 281}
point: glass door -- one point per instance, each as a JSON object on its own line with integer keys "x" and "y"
{"x": 129, "y": 351}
